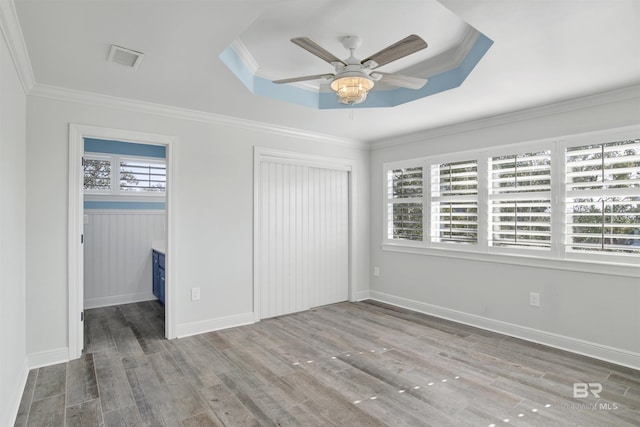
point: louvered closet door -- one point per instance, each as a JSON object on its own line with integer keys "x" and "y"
{"x": 303, "y": 238}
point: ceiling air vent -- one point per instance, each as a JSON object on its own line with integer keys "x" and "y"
{"x": 123, "y": 56}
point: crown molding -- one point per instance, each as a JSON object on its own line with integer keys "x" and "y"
{"x": 603, "y": 98}
{"x": 90, "y": 98}
{"x": 12, "y": 34}
{"x": 245, "y": 56}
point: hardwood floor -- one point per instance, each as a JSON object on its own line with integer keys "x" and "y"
{"x": 348, "y": 364}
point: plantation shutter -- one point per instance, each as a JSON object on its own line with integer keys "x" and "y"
{"x": 454, "y": 202}
{"x": 520, "y": 200}
{"x": 603, "y": 197}
{"x": 405, "y": 203}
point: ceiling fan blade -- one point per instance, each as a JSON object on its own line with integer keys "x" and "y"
{"x": 304, "y": 78}
{"x": 402, "y": 81}
{"x": 314, "y": 48}
{"x": 404, "y": 47}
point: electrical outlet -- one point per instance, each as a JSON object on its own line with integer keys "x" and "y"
{"x": 195, "y": 294}
{"x": 534, "y": 299}
{"x": 376, "y": 271}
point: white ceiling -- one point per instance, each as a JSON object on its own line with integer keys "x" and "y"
{"x": 544, "y": 51}
{"x": 267, "y": 38}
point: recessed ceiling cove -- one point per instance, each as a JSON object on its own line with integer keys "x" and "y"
{"x": 264, "y": 52}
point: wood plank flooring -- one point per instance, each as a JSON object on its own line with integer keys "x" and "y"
{"x": 347, "y": 364}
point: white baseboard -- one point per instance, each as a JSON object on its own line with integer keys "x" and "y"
{"x": 574, "y": 345}
{"x": 8, "y": 418}
{"x": 46, "y": 358}
{"x": 361, "y": 295}
{"x": 209, "y": 325}
{"x": 118, "y": 299}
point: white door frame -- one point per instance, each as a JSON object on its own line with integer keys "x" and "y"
{"x": 77, "y": 133}
{"x": 300, "y": 159}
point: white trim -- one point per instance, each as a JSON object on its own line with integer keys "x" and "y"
{"x": 13, "y": 405}
{"x": 574, "y": 345}
{"x": 117, "y": 300}
{"x": 12, "y": 34}
{"x": 124, "y": 211}
{"x": 70, "y": 95}
{"x": 245, "y": 56}
{"x": 204, "y": 326}
{"x": 74, "y": 246}
{"x": 77, "y": 133}
{"x": 124, "y": 197}
{"x": 47, "y": 358}
{"x": 361, "y": 295}
{"x": 303, "y": 159}
{"x": 289, "y": 157}
{"x": 599, "y": 99}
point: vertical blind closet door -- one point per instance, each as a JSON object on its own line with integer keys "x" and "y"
{"x": 303, "y": 238}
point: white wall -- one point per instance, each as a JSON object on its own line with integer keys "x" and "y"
{"x": 117, "y": 255}
{"x": 13, "y": 360}
{"x": 213, "y": 215}
{"x": 596, "y": 314}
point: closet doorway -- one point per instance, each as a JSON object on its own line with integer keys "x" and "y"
{"x": 302, "y": 214}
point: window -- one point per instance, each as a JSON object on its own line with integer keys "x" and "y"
{"x": 97, "y": 174}
{"x": 564, "y": 201}
{"x": 142, "y": 176}
{"x": 520, "y": 200}
{"x": 454, "y": 202}
{"x": 603, "y": 197}
{"x": 116, "y": 175}
{"x": 405, "y": 203}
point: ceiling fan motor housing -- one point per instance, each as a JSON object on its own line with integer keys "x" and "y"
{"x": 354, "y": 78}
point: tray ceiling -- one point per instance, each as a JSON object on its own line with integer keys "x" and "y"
{"x": 542, "y": 52}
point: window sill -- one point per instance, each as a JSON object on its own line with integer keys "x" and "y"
{"x": 600, "y": 267}
{"x": 125, "y": 197}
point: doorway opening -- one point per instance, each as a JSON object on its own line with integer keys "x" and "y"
{"x": 119, "y": 220}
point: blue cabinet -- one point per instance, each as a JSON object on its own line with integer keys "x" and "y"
{"x": 158, "y": 283}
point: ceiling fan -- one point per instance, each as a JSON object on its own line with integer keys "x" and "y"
{"x": 354, "y": 78}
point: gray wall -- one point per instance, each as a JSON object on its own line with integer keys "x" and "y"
{"x": 213, "y": 215}
{"x": 13, "y": 360}
{"x": 591, "y": 313}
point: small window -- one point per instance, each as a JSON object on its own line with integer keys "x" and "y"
{"x": 454, "y": 202}
{"x": 603, "y": 197}
{"x": 97, "y": 174}
{"x": 404, "y": 203}
{"x": 520, "y": 200}
{"x": 138, "y": 175}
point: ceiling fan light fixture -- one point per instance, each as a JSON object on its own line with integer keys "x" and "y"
{"x": 352, "y": 89}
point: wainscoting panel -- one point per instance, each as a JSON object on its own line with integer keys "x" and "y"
{"x": 117, "y": 255}
{"x": 303, "y": 237}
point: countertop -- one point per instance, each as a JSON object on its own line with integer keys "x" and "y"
{"x": 159, "y": 246}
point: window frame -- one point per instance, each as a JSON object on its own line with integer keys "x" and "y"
{"x": 139, "y": 159}
{"x": 516, "y": 150}
{"x": 481, "y": 228}
{"x": 99, "y": 157}
{"x": 115, "y": 193}
{"x": 592, "y": 139}
{"x": 390, "y": 201}
{"x": 557, "y": 256}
